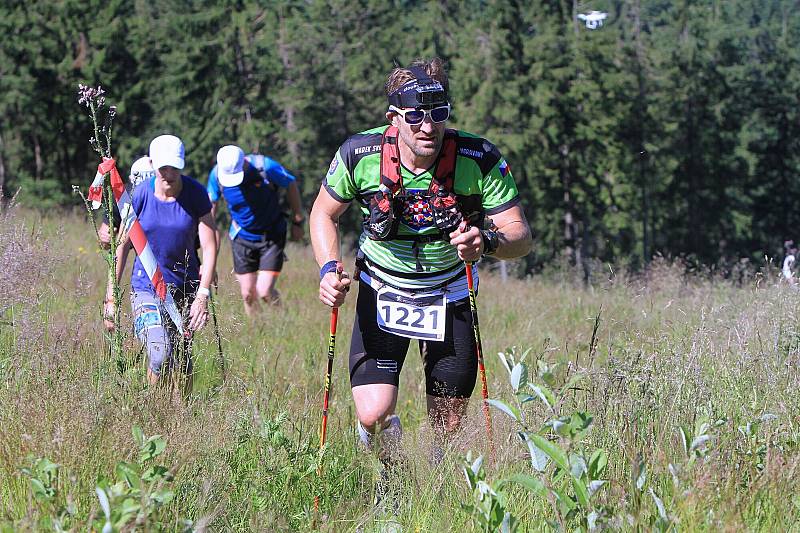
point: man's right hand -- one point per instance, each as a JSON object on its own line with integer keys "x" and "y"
{"x": 333, "y": 288}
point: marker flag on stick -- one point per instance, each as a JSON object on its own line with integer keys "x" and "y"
{"x": 131, "y": 224}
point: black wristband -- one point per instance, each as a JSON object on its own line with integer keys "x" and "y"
{"x": 490, "y": 241}
{"x": 330, "y": 266}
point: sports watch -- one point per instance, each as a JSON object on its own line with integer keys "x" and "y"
{"x": 490, "y": 241}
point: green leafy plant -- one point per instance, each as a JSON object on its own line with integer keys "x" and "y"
{"x": 566, "y": 472}
{"x": 489, "y": 504}
{"x": 57, "y": 511}
{"x": 139, "y": 490}
{"x": 754, "y": 449}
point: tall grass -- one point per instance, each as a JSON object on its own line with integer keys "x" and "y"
{"x": 668, "y": 349}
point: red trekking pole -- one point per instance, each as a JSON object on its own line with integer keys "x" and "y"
{"x": 331, "y": 353}
{"x": 473, "y": 307}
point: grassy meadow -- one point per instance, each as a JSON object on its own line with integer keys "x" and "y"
{"x": 690, "y": 384}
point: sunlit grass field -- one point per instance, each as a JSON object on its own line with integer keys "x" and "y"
{"x": 657, "y": 353}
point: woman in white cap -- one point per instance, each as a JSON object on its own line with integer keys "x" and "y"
{"x": 173, "y": 211}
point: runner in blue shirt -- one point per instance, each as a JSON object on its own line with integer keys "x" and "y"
{"x": 174, "y": 212}
{"x": 249, "y": 185}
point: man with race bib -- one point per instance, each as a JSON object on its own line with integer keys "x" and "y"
{"x": 432, "y": 199}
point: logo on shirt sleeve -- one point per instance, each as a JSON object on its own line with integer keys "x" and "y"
{"x": 503, "y": 168}
{"x": 334, "y": 165}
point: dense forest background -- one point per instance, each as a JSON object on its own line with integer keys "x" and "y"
{"x": 672, "y": 129}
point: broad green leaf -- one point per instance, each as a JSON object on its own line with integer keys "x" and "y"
{"x": 510, "y": 410}
{"x": 567, "y": 503}
{"x": 468, "y": 476}
{"x": 552, "y": 450}
{"x": 577, "y": 466}
{"x": 163, "y": 496}
{"x": 104, "y": 504}
{"x": 519, "y": 375}
{"x": 539, "y": 459}
{"x": 47, "y": 468}
{"x": 151, "y": 449}
{"x": 130, "y": 473}
{"x": 138, "y": 436}
{"x": 698, "y": 442}
{"x": 662, "y": 512}
{"x": 641, "y": 474}
{"x": 597, "y": 464}
{"x": 476, "y": 466}
{"x": 40, "y": 492}
{"x": 581, "y": 492}
{"x": 581, "y": 421}
{"x": 596, "y": 485}
{"x": 544, "y": 394}
{"x": 685, "y": 439}
{"x": 155, "y": 473}
{"x": 502, "y": 357}
{"x": 531, "y": 483}
{"x": 561, "y": 426}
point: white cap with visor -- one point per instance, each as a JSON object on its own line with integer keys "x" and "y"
{"x": 230, "y": 165}
{"x": 167, "y": 151}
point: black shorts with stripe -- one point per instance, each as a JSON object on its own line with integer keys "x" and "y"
{"x": 377, "y": 356}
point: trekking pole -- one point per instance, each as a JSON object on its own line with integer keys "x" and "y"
{"x": 473, "y": 307}
{"x": 331, "y": 353}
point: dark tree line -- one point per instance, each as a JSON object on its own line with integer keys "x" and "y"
{"x": 674, "y": 128}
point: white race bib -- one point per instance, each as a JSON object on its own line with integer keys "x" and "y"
{"x": 417, "y": 316}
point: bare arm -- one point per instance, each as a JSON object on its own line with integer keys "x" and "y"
{"x": 293, "y": 195}
{"x": 513, "y": 232}
{"x": 217, "y": 235}
{"x": 324, "y": 227}
{"x": 207, "y": 231}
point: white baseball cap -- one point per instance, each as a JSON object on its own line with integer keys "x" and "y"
{"x": 167, "y": 151}
{"x": 141, "y": 170}
{"x": 230, "y": 166}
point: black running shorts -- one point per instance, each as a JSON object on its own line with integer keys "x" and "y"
{"x": 376, "y": 356}
{"x": 252, "y": 256}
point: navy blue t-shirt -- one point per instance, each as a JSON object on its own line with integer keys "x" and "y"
{"x": 171, "y": 230}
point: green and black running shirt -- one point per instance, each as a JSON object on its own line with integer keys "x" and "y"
{"x": 481, "y": 173}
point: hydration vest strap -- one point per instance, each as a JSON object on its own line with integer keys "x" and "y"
{"x": 391, "y": 180}
{"x": 444, "y": 175}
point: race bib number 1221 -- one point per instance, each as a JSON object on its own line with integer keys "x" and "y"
{"x": 417, "y": 316}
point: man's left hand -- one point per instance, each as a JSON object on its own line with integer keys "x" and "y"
{"x": 468, "y": 243}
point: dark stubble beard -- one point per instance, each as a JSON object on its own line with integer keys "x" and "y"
{"x": 408, "y": 138}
